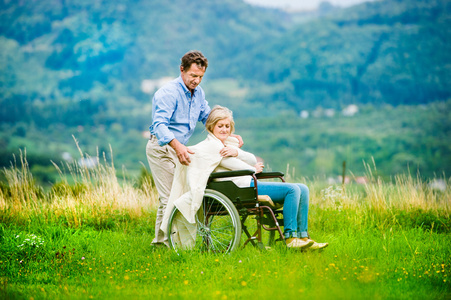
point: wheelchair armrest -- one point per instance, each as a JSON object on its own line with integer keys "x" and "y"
{"x": 231, "y": 174}
{"x": 263, "y": 175}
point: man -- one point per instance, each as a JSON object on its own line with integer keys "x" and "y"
{"x": 176, "y": 109}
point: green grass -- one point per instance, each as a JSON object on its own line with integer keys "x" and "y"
{"x": 361, "y": 261}
{"x": 387, "y": 240}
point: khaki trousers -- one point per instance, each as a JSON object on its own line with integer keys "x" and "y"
{"x": 162, "y": 160}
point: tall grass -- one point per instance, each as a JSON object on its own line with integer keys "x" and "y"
{"x": 94, "y": 196}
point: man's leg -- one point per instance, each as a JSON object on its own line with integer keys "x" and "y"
{"x": 162, "y": 165}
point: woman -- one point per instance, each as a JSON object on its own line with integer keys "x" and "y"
{"x": 294, "y": 196}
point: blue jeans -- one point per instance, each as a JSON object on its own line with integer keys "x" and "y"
{"x": 295, "y": 199}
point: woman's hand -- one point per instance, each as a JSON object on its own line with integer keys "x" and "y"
{"x": 259, "y": 167}
{"x": 228, "y": 151}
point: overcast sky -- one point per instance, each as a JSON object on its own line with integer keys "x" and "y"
{"x": 302, "y": 4}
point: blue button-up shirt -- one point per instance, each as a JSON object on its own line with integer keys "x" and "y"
{"x": 175, "y": 112}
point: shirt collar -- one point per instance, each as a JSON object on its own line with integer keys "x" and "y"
{"x": 185, "y": 89}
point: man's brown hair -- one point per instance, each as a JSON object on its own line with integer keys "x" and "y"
{"x": 194, "y": 57}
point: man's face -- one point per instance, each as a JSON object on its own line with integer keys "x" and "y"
{"x": 193, "y": 76}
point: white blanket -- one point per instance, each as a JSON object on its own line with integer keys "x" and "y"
{"x": 190, "y": 181}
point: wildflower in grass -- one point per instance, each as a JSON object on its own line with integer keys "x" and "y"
{"x": 333, "y": 196}
{"x": 30, "y": 241}
{"x": 243, "y": 283}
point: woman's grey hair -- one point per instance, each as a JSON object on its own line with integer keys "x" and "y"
{"x": 217, "y": 114}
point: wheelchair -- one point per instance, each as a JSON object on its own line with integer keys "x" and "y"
{"x": 222, "y": 216}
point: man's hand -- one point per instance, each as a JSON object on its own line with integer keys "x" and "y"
{"x": 240, "y": 139}
{"x": 228, "y": 151}
{"x": 182, "y": 152}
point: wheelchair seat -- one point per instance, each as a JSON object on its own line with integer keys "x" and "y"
{"x": 266, "y": 200}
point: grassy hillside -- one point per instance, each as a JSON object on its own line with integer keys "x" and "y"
{"x": 399, "y": 139}
{"x": 413, "y": 138}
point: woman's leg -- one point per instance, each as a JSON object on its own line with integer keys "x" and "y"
{"x": 302, "y": 217}
{"x": 289, "y": 195}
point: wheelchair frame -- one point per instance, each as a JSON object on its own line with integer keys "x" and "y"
{"x": 224, "y": 211}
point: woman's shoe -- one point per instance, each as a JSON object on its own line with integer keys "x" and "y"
{"x": 297, "y": 243}
{"x": 318, "y": 246}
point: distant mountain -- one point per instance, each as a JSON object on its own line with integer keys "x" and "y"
{"x": 83, "y": 44}
{"x": 59, "y": 57}
{"x": 393, "y": 51}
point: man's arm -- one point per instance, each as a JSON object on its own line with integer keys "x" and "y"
{"x": 164, "y": 104}
{"x": 182, "y": 152}
{"x": 239, "y": 138}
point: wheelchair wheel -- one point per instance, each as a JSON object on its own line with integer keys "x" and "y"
{"x": 217, "y": 228}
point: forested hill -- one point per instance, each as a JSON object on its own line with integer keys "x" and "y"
{"x": 80, "y": 44}
{"x": 77, "y": 67}
{"x": 395, "y": 51}
{"x": 90, "y": 56}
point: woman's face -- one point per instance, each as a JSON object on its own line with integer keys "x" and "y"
{"x": 222, "y": 129}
